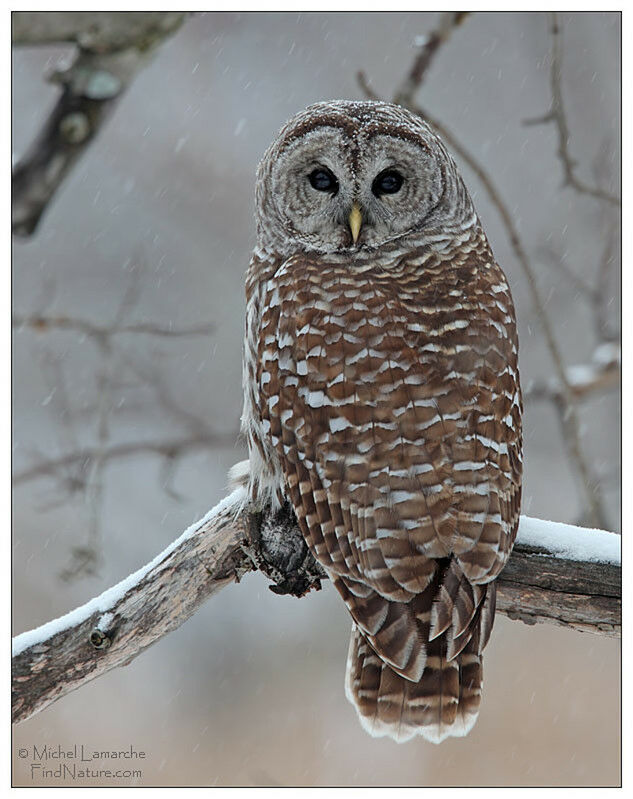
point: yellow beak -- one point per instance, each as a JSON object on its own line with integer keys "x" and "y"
{"x": 355, "y": 220}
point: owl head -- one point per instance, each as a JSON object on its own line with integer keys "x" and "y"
{"x": 350, "y": 176}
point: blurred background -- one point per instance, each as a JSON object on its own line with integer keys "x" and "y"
{"x": 128, "y": 321}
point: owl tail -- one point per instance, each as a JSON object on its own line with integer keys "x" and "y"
{"x": 443, "y": 703}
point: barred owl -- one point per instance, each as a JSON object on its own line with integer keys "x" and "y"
{"x": 382, "y": 400}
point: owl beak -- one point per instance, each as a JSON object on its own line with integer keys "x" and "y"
{"x": 355, "y": 220}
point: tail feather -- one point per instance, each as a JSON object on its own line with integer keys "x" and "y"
{"x": 444, "y": 700}
{"x": 443, "y": 703}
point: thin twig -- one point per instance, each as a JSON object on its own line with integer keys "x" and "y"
{"x": 601, "y": 375}
{"x": 428, "y": 47}
{"x": 594, "y": 293}
{"x": 604, "y": 330}
{"x": 42, "y": 323}
{"x": 556, "y": 114}
{"x": 557, "y": 261}
{"x": 197, "y": 426}
{"x": 86, "y": 464}
{"x": 167, "y": 448}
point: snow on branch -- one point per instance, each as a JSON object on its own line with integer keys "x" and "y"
{"x": 557, "y": 574}
{"x": 600, "y": 374}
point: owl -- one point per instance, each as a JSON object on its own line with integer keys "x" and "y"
{"x": 382, "y": 401}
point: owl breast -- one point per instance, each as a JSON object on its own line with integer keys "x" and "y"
{"x": 387, "y": 391}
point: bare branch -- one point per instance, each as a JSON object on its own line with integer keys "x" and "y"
{"x": 428, "y": 47}
{"x": 543, "y": 582}
{"x": 84, "y": 469}
{"x": 556, "y": 114}
{"x": 602, "y": 374}
{"x": 81, "y": 469}
{"x": 605, "y": 331}
{"x": 41, "y": 323}
{"x": 113, "y": 47}
{"x": 167, "y": 448}
{"x": 196, "y": 425}
{"x": 93, "y": 31}
{"x": 558, "y": 262}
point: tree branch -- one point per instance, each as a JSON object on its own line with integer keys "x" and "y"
{"x": 41, "y": 323}
{"x": 167, "y": 448}
{"x": 113, "y": 47}
{"x": 601, "y": 374}
{"x": 98, "y": 31}
{"x": 428, "y": 47}
{"x": 557, "y": 574}
{"x": 556, "y": 114}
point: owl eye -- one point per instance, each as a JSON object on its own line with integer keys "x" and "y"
{"x": 388, "y": 182}
{"x": 322, "y": 179}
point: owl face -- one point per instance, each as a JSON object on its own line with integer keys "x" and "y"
{"x": 352, "y": 178}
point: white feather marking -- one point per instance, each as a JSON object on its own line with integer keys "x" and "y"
{"x": 339, "y": 423}
{"x": 468, "y": 466}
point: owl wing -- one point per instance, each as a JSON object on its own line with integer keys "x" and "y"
{"x": 392, "y": 400}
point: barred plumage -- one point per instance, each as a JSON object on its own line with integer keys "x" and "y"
{"x": 382, "y": 399}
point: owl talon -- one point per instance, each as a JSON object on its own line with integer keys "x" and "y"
{"x": 277, "y": 549}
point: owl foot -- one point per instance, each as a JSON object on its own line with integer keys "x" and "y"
{"x": 278, "y": 549}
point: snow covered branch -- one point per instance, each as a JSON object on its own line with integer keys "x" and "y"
{"x": 601, "y": 374}
{"x": 557, "y": 574}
